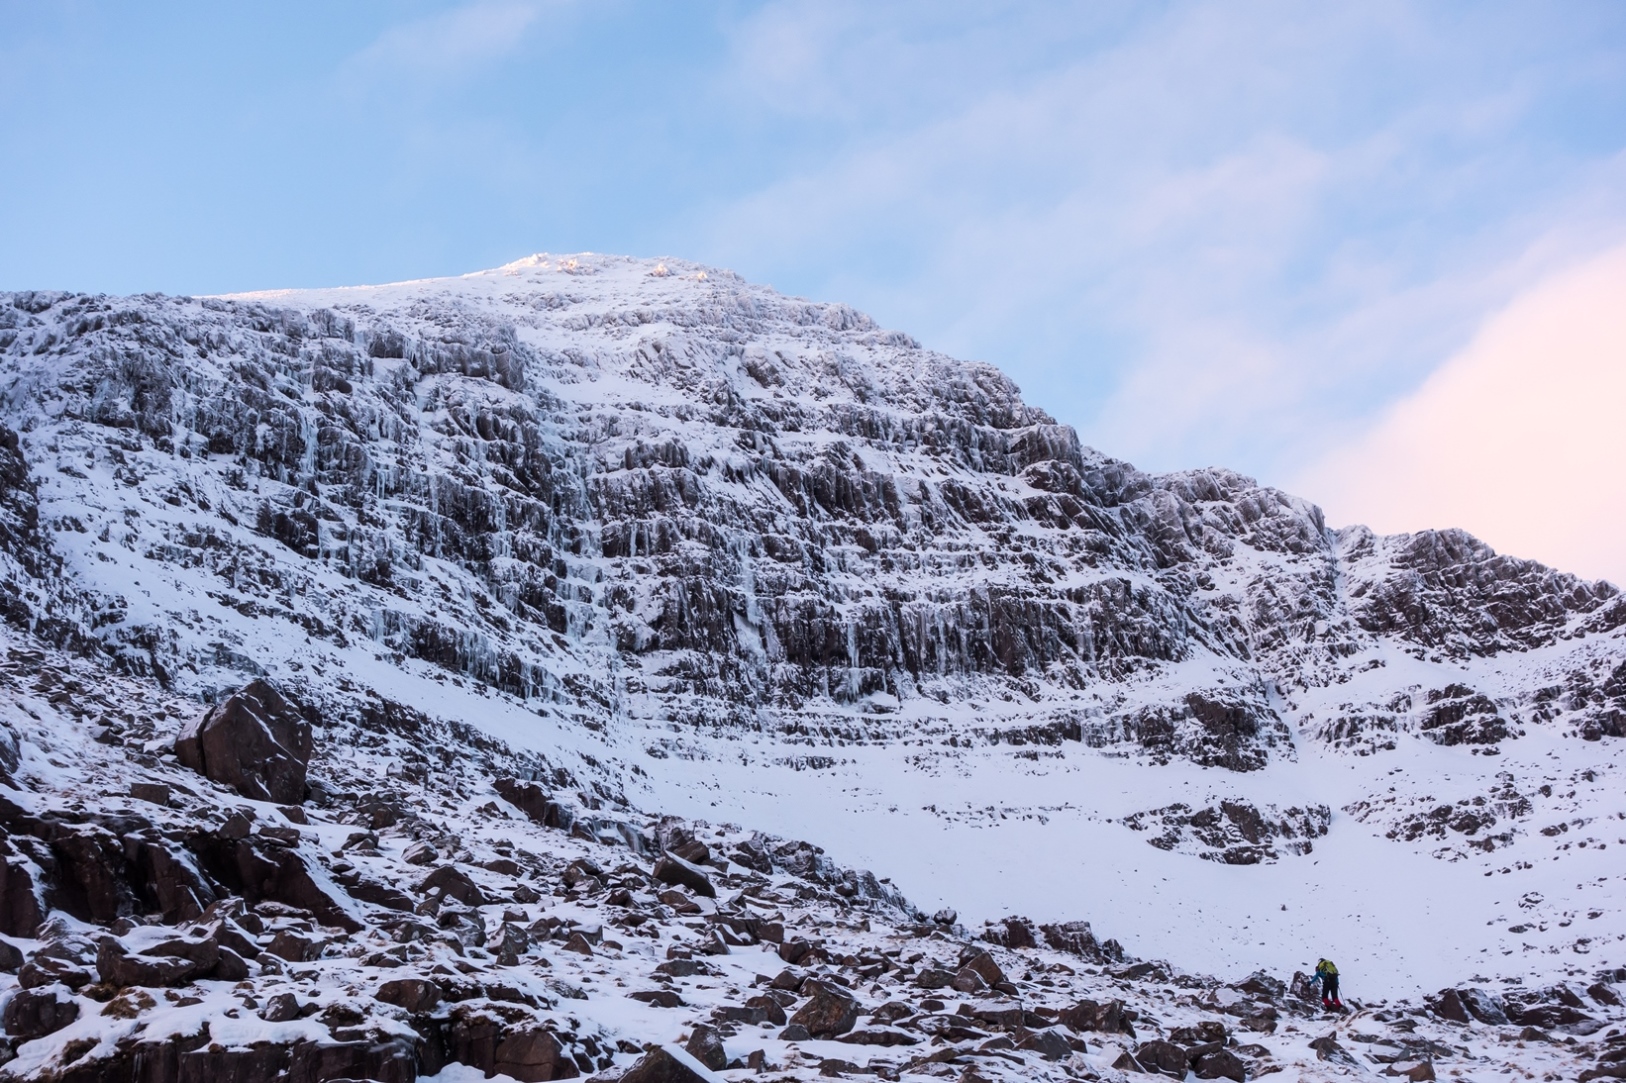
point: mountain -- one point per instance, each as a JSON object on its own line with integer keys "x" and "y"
{"x": 671, "y": 543}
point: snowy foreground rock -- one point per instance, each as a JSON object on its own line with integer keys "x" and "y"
{"x": 386, "y": 670}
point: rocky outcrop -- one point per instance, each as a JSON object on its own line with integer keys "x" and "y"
{"x": 1234, "y": 832}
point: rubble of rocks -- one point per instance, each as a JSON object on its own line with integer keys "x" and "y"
{"x": 157, "y": 924}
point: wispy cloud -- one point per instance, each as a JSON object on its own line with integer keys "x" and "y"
{"x": 1519, "y": 437}
{"x": 1211, "y": 234}
{"x": 447, "y": 44}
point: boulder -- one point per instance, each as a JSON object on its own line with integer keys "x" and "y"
{"x": 1327, "y": 1048}
{"x": 984, "y": 965}
{"x": 416, "y": 995}
{"x": 47, "y": 968}
{"x": 1048, "y": 1044}
{"x": 505, "y": 1038}
{"x": 1011, "y": 932}
{"x": 1548, "y": 1016}
{"x": 1603, "y": 994}
{"x": 794, "y": 950}
{"x": 119, "y": 967}
{"x": 1448, "y": 1005}
{"x": 967, "y": 980}
{"x": 662, "y": 1064}
{"x": 259, "y": 869}
{"x": 706, "y": 1046}
{"x": 1091, "y": 1015}
{"x": 294, "y": 947}
{"x": 194, "y": 1058}
{"x": 155, "y": 792}
{"x": 1220, "y": 1064}
{"x": 167, "y": 877}
{"x": 1163, "y": 1057}
{"x": 829, "y": 1012}
{"x": 454, "y": 883}
{"x": 34, "y": 1013}
{"x": 881, "y": 1036}
{"x": 420, "y": 853}
{"x": 532, "y": 1054}
{"x": 280, "y": 1007}
{"x": 1262, "y": 985}
{"x": 534, "y": 802}
{"x": 671, "y": 869}
{"x": 255, "y": 741}
{"x": 1483, "y": 1007}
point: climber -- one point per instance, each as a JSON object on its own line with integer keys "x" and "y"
{"x": 1326, "y": 975}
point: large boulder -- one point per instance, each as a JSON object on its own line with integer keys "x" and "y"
{"x": 664, "y": 1064}
{"x": 255, "y": 742}
{"x": 34, "y": 1013}
{"x": 706, "y": 1046}
{"x": 1461, "y": 1005}
{"x": 830, "y": 1011}
{"x": 1091, "y": 1015}
{"x": 671, "y": 869}
{"x": 535, "y": 802}
{"x": 504, "y": 1038}
{"x": 1163, "y": 1057}
{"x": 1221, "y": 1064}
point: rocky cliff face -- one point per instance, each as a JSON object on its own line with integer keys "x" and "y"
{"x": 676, "y": 497}
{"x": 658, "y": 525}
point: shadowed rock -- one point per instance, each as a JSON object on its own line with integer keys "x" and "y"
{"x": 255, "y": 741}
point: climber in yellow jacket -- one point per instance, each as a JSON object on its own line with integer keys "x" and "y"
{"x": 1326, "y": 975}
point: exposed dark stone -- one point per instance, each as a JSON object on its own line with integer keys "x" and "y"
{"x": 1163, "y": 1057}
{"x": 1011, "y": 932}
{"x": 1106, "y": 1017}
{"x": 831, "y": 1010}
{"x": 1548, "y": 1016}
{"x": 257, "y": 869}
{"x": 706, "y": 1046}
{"x": 255, "y": 742}
{"x": 1462, "y": 1005}
{"x": 659, "y": 1066}
{"x": 670, "y": 869}
{"x": 1327, "y": 1048}
{"x": 454, "y": 883}
{"x": 984, "y": 966}
{"x": 1048, "y": 1044}
{"x": 1221, "y": 1064}
{"x": 155, "y": 792}
{"x": 504, "y": 1038}
{"x": 34, "y": 1013}
{"x": 20, "y": 907}
{"x": 535, "y": 802}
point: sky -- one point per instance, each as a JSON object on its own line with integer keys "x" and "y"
{"x": 1373, "y": 253}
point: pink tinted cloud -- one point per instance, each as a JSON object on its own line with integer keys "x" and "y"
{"x": 1519, "y": 438}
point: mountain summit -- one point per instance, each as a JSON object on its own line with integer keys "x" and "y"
{"x": 707, "y": 550}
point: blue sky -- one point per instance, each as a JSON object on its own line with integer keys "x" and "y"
{"x": 1203, "y": 233}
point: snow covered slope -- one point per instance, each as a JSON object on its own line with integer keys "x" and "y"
{"x": 746, "y": 558}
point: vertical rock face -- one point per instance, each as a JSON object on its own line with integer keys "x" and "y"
{"x": 254, "y": 741}
{"x": 677, "y": 499}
